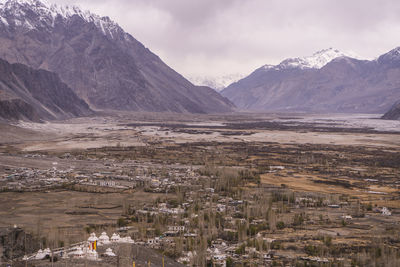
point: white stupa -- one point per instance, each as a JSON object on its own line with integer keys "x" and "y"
{"x": 40, "y": 255}
{"x": 104, "y": 239}
{"x": 92, "y": 237}
{"x": 91, "y": 255}
{"x": 47, "y": 251}
{"x": 109, "y": 253}
{"x": 78, "y": 254}
{"x": 115, "y": 238}
{"x": 92, "y": 240}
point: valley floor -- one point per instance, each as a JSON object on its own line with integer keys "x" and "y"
{"x": 246, "y": 188}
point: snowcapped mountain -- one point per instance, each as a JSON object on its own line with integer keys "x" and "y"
{"x": 328, "y": 81}
{"x": 217, "y": 82}
{"x": 316, "y": 61}
{"x": 103, "y": 64}
{"x": 34, "y": 14}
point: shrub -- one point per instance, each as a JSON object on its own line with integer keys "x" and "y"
{"x": 280, "y": 225}
{"x": 122, "y": 222}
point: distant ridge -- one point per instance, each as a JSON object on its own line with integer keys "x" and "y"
{"x": 328, "y": 81}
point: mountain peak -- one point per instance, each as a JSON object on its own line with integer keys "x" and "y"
{"x": 316, "y": 61}
{"x": 395, "y": 52}
{"x": 391, "y": 56}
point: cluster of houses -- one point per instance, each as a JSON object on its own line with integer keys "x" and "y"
{"x": 31, "y": 179}
{"x": 228, "y": 244}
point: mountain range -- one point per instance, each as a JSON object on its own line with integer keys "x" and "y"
{"x": 328, "y": 81}
{"x": 98, "y": 60}
{"x": 90, "y": 60}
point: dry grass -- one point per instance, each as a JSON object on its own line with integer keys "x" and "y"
{"x": 305, "y": 183}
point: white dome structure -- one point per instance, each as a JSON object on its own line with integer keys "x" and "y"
{"x": 109, "y": 253}
{"x": 115, "y": 238}
{"x": 92, "y": 238}
{"x": 78, "y": 253}
{"x": 92, "y": 255}
{"x": 104, "y": 239}
{"x": 40, "y": 255}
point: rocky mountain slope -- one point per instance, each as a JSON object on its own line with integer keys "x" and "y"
{"x": 102, "y": 63}
{"x": 34, "y": 95}
{"x": 328, "y": 81}
{"x": 393, "y": 113}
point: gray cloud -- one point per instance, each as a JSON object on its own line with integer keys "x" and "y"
{"x": 217, "y": 37}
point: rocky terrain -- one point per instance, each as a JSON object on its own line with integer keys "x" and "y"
{"x": 103, "y": 64}
{"x": 36, "y": 95}
{"x": 328, "y": 81}
{"x": 393, "y": 113}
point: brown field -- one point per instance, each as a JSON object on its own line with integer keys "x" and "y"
{"x": 42, "y": 212}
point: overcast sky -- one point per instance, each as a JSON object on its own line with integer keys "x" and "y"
{"x": 219, "y": 37}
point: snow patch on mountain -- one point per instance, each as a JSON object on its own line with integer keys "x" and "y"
{"x": 316, "y": 61}
{"x": 217, "y": 82}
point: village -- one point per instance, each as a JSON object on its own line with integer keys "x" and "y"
{"x": 131, "y": 176}
{"x": 201, "y": 203}
{"x": 200, "y": 218}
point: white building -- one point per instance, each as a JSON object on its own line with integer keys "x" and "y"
{"x": 153, "y": 241}
{"x": 108, "y": 183}
{"x": 386, "y": 212}
{"x": 176, "y": 228}
{"x": 347, "y": 217}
